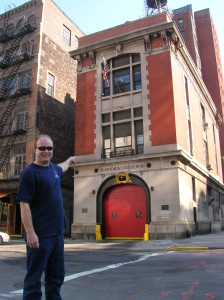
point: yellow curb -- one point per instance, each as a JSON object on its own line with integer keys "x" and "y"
{"x": 189, "y": 248}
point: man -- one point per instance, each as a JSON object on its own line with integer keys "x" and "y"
{"x": 43, "y": 218}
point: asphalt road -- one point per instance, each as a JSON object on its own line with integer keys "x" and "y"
{"x": 124, "y": 270}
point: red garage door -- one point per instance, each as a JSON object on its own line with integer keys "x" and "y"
{"x": 125, "y": 212}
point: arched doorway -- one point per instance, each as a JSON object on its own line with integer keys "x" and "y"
{"x": 123, "y": 208}
{"x": 125, "y": 212}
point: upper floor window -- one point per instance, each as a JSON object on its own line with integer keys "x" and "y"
{"x": 20, "y": 121}
{"x": 10, "y": 29}
{"x": 123, "y": 74}
{"x": 123, "y": 132}
{"x": 32, "y": 20}
{"x": 28, "y": 48}
{"x": 76, "y": 42}
{"x": 20, "y": 159}
{"x": 66, "y": 35}
{"x": 24, "y": 80}
{"x": 181, "y": 22}
{"x": 189, "y": 124}
{"x": 183, "y": 35}
{"x": 204, "y": 135}
{"x": 19, "y": 25}
{"x": 50, "y": 84}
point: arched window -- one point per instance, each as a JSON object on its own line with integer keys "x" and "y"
{"x": 10, "y": 30}
{"x": 32, "y": 20}
{"x": 19, "y": 25}
{"x": 1, "y": 33}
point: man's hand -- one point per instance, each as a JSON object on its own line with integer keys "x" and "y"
{"x": 32, "y": 240}
{"x": 70, "y": 162}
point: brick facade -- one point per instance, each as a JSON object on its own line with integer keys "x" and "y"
{"x": 212, "y": 72}
{"x": 179, "y": 166}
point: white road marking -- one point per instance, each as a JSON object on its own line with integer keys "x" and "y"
{"x": 81, "y": 274}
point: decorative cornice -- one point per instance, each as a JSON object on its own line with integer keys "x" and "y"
{"x": 80, "y": 57}
{"x": 18, "y": 9}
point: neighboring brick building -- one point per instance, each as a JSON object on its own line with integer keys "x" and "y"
{"x": 147, "y": 144}
{"x": 37, "y": 95}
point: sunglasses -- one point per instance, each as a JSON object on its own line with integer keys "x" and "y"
{"x": 43, "y": 148}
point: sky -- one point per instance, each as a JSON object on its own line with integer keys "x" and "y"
{"x": 95, "y": 15}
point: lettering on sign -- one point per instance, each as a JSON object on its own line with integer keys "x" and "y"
{"x": 123, "y": 168}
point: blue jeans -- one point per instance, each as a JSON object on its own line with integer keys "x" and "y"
{"x": 49, "y": 258}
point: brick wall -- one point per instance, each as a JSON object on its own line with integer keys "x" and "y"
{"x": 161, "y": 102}
{"x": 56, "y": 115}
{"x": 122, "y": 29}
{"x": 212, "y": 71}
{"x": 85, "y": 114}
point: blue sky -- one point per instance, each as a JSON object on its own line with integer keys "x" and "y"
{"x": 95, "y": 15}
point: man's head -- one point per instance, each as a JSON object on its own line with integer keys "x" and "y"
{"x": 43, "y": 150}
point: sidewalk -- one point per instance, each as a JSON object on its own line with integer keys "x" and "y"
{"x": 199, "y": 242}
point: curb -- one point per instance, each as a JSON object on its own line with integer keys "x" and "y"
{"x": 191, "y": 248}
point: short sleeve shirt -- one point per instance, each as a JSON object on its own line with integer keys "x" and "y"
{"x": 41, "y": 188}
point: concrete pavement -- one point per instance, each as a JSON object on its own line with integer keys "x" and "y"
{"x": 198, "y": 242}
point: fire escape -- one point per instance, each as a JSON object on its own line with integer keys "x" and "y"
{"x": 11, "y": 89}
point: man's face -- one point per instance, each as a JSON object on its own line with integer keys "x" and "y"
{"x": 43, "y": 154}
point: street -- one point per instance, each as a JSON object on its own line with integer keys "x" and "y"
{"x": 124, "y": 270}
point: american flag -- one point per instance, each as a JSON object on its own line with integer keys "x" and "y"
{"x": 106, "y": 70}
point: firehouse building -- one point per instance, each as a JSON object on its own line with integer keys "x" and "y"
{"x": 146, "y": 136}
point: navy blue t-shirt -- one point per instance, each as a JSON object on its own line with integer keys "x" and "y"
{"x": 41, "y": 188}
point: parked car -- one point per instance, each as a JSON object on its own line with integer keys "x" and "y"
{"x": 4, "y": 237}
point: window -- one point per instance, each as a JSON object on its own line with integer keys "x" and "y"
{"x": 203, "y": 116}
{"x": 11, "y": 89}
{"x": 204, "y": 135}
{"x": 10, "y": 30}
{"x": 76, "y": 42}
{"x": 214, "y": 139}
{"x": 106, "y": 118}
{"x": 19, "y": 25}
{"x": 124, "y": 135}
{"x": 193, "y": 189}
{"x": 189, "y": 126}
{"x": 1, "y": 33}
{"x": 66, "y": 35}
{"x": 138, "y": 112}
{"x": 50, "y": 84}
{"x": 20, "y": 159}
{"x": 180, "y": 22}
{"x": 32, "y": 20}
{"x": 27, "y": 48}
{"x": 183, "y": 36}
{"x": 24, "y": 80}
{"x": 106, "y": 141}
{"x": 121, "y": 82}
{"x": 139, "y": 137}
{"x": 124, "y": 75}
{"x": 122, "y": 115}
{"x": 137, "y": 84}
{"x": 20, "y": 121}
